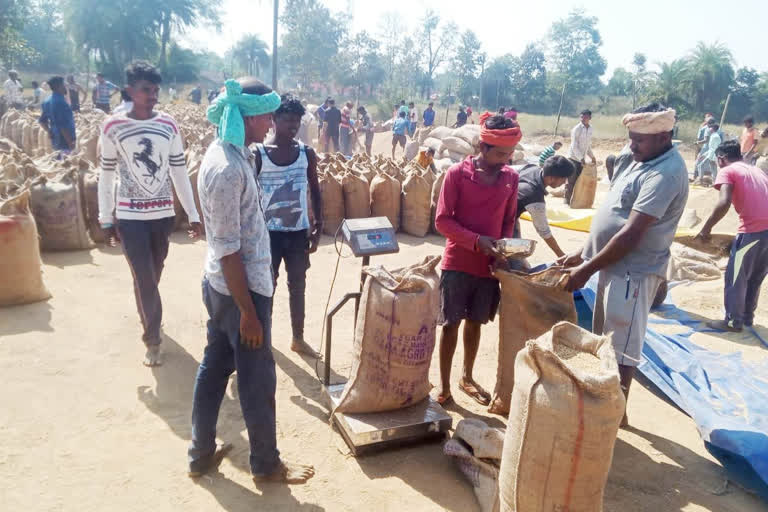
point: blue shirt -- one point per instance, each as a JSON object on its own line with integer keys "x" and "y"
{"x": 429, "y": 117}
{"x": 400, "y": 126}
{"x": 57, "y": 113}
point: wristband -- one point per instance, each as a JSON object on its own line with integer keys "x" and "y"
{"x": 107, "y": 225}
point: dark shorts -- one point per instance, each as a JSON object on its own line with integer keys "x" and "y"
{"x": 467, "y": 297}
{"x": 399, "y": 139}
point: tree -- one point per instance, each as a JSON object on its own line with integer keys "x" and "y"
{"x": 117, "y": 31}
{"x": 45, "y": 33}
{"x": 711, "y": 71}
{"x": 312, "y": 37}
{"x": 358, "y": 62}
{"x": 438, "y": 44}
{"x": 620, "y": 83}
{"x": 575, "y": 52}
{"x": 529, "y": 79}
{"x": 744, "y": 94}
{"x": 672, "y": 86}
{"x": 390, "y": 33}
{"x": 640, "y": 78}
{"x": 180, "y": 14}
{"x": 467, "y": 65}
{"x": 251, "y": 54}
{"x": 13, "y": 47}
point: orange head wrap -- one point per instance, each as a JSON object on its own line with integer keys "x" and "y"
{"x": 506, "y": 137}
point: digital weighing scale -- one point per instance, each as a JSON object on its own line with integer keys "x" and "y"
{"x": 367, "y": 432}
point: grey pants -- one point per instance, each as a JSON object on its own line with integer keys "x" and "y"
{"x": 747, "y": 268}
{"x": 145, "y": 244}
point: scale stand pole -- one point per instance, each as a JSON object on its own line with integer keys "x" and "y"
{"x": 366, "y": 262}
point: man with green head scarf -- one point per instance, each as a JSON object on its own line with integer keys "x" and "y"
{"x": 238, "y": 287}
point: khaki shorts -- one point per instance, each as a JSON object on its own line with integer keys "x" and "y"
{"x": 622, "y": 305}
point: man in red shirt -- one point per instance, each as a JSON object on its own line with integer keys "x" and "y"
{"x": 746, "y": 186}
{"x": 477, "y": 205}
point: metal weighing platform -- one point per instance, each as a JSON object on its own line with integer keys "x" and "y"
{"x": 367, "y": 432}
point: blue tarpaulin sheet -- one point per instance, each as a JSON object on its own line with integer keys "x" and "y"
{"x": 725, "y": 395}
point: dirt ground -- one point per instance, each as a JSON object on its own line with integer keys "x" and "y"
{"x": 86, "y": 427}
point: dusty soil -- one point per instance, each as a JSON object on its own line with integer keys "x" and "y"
{"x": 86, "y": 427}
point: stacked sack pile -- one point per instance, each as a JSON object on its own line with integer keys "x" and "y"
{"x": 364, "y": 186}
{"x": 52, "y": 205}
{"x": 451, "y": 145}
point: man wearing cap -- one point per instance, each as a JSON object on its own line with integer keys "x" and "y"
{"x": 477, "y": 206}
{"x": 237, "y": 288}
{"x": 632, "y": 230}
{"x": 13, "y": 91}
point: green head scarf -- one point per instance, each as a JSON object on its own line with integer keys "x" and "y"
{"x": 229, "y": 108}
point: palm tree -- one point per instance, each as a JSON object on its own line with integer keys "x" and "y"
{"x": 672, "y": 84}
{"x": 179, "y": 14}
{"x": 251, "y": 53}
{"x": 711, "y": 70}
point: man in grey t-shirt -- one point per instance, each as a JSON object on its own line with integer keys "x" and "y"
{"x": 631, "y": 233}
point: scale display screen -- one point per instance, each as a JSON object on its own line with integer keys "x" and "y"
{"x": 371, "y": 236}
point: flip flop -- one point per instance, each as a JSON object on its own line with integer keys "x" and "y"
{"x": 444, "y": 400}
{"x": 478, "y": 394}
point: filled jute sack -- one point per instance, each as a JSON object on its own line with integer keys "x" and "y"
{"x": 459, "y": 146}
{"x": 394, "y": 338}
{"x": 566, "y": 409}
{"x": 58, "y": 207}
{"x": 333, "y": 203}
{"x": 417, "y": 197}
{"x": 441, "y": 132}
{"x": 431, "y": 142}
{"x": 91, "y": 192}
{"x": 357, "y": 196}
{"x": 437, "y": 186}
{"x": 530, "y": 305}
{"x": 411, "y": 150}
{"x": 385, "y": 198}
{"x": 585, "y": 188}
{"x": 470, "y": 133}
{"x": 20, "y": 272}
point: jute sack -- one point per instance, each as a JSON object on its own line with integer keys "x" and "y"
{"x": 585, "y": 187}
{"x": 411, "y": 150}
{"x": 530, "y": 305}
{"x": 431, "y": 142}
{"x": 357, "y": 196}
{"x": 333, "y": 203}
{"x": 59, "y": 211}
{"x": 459, "y": 146}
{"x": 385, "y": 198}
{"x": 566, "y": 408}
{"x": 483, "y": 475}
{"x": 470, "y": 133}
{"x": 20, "y": 272}
{"x": 416, "y": 205}
{"x": 437, "y": 186}
{"x": 394, "y": 338}
{"x": 441, "y": 132}
{"x": 91, "y": 192}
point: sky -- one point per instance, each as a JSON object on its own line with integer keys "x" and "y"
{"x": 661, "y": 29}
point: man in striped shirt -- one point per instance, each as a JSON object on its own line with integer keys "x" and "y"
{"x": 548, "y": 152}
{"x": 103, "y": 92}
{"x": 146, "y": 149}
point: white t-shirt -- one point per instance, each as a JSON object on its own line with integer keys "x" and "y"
{"x": 12, "y": 90}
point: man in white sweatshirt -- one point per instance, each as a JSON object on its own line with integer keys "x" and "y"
{"x": 146, "y": 149}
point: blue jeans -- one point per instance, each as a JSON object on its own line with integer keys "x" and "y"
{"x": 256, "y": 383}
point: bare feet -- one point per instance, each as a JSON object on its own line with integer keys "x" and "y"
{"x": 302, "y": 347}
{"x": 201, "y": 467}
{"x": 153, "y": 357}
{"x": 473, "y": 389}
{"x": 287, "y": 473}
{"x": 444, "y": 397}
{"x": 624, "y": 422}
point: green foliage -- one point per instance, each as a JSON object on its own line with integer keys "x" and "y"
{"x": 14, "y": 49}
{"x": 438, "y": 43}
{"x": 358, "y": 63}
{"x": 467, "y": 64}
{"x": 251, "y": 54}
{"x": 184, "y": 65}
{"x": 44, "y": 31}
{"x": 620, "y": 83}
{"x": 311, "y": 40}
{"x": 575, "y": 52}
